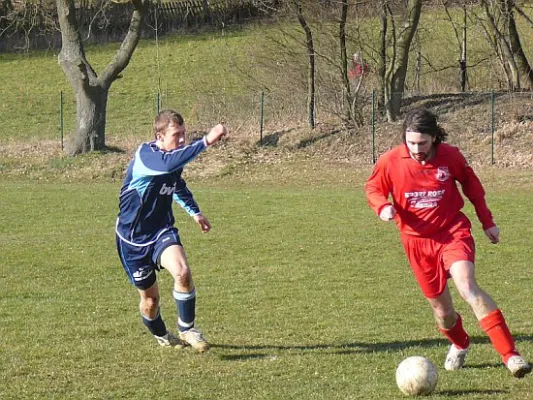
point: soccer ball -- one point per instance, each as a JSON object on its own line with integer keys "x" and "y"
{"x": 416, "y": 376}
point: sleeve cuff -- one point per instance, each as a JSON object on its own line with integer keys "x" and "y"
{"x": 489, "y": 225}
{"x": 380, "y": 208}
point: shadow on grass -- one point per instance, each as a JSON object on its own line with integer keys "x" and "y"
{"x": 455, "y": 393}
{"x": 241, "y": 357}
{"x": 112, "y": 149}
{"x": 356, "y": 347}
{"x": 307, "y": 142}
{"x": 272, "y": 139}
{"x": 483, "y": 366}
{"x": 449, "y": 102}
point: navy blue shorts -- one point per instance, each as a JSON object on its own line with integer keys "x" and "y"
{"x": 141, "y": 263}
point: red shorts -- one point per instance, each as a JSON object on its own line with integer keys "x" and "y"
{"x": 431, "y": 258}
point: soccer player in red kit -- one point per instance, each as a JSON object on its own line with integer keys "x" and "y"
{"x": 420, "y": 175}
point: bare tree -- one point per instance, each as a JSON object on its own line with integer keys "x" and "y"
{"x": 516, "y": 46}
{"x": 344, "y": 59}
{"x": 524, "y": 15}
{"x": 5, "y": 6}
{"x": 461, "y": 37}
{"x": 26, "y": 24}
{"x": 340, "y": 75}
{"x": 500, "y": 27}
{"x": 382, "y": 60}
{"x": 353, "y": 113}
{"x": 207, "y": 11}
{"x": 90, "y": 89}
{"x": 29, "y": 23}
{"x": 311, "y": 68}
{"x": 396, "y": 70}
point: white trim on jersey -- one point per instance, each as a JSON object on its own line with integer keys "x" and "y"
{"x": 139, "y": 244}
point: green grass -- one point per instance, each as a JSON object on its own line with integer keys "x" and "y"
{"x": 195, "y": 74}
{"x": 302, "y": 291}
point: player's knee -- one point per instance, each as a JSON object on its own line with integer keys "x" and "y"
{"x": 444, "y": 316}
{"x": 471, "y": 293}
{"x": 149, "y": 303}
{"x": 185, "y": 281}
{"x": 183, "y": 277}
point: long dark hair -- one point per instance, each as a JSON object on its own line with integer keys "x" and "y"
{"x": 424, "y": 121}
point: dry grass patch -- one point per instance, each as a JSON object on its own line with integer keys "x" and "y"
{"x": 466, "y": 119}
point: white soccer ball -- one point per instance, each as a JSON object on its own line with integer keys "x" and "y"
{"x": 416, "y": 376}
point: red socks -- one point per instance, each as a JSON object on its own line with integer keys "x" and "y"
{"x": 495, "y": 327}
{"x": 456, "y": 334}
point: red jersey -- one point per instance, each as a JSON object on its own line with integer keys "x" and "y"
{"x": 426, "y": 197}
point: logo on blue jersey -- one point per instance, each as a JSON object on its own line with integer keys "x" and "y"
{"x": 167, "y": 190}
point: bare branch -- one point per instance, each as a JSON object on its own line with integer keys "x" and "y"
{"x": 523, "y": 15}
{"x": 454, "y": 25}
{"x": 124, "y": 54}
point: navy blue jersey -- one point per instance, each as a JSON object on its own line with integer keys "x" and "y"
{"x": 152, "y": 181}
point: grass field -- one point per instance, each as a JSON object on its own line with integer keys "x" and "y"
{"x": 302, "y": 291}
{"x": 186, "y": 72}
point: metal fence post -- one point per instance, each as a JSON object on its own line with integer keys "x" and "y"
{"x": 61, "y": 118}
{"x": 373, "y": 126}
{"x": 262, "y": 121}
{"x": 492, "y": 127}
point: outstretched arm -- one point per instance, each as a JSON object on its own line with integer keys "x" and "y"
{"x": 218, "y": 132}
{"x": 151, "y": 161}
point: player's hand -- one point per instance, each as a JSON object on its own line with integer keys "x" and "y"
{"x": 493, "y": 234}
{"x": 216, "y": 133}
{"x": 387, "y": 213}
{"x": 203, "y": 222}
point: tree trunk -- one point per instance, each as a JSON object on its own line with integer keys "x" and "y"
{"x": 516, "y": 46}
{"x": 418, "y": 62}
{"x": 91, "y": 106}
{"x": 91, "y": 90}
{"x": 397, "y": 70}
{"x": 311, "y": 70}
{"x": 510, "y": 69}
{"x": 462, "y": 62}
{"x": 382, "y": 65}
{"x": 461, "y": 42}
{"x": 207, "y": 12}
{"x": 348, "y": 100}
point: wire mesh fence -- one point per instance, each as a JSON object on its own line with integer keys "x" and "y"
{"x": 490, "y": 123}
{"x": 491, "y": 127}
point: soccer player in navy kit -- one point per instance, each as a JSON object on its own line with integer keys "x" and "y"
{"x": 145, "y": 233}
